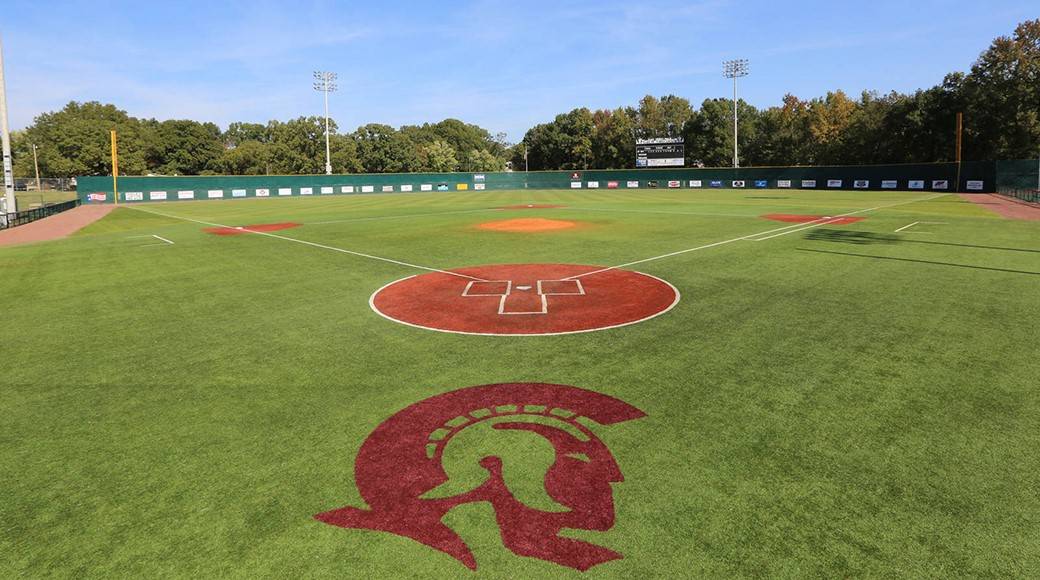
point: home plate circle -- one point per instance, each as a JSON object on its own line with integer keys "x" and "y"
{"x": 525, "y": 299}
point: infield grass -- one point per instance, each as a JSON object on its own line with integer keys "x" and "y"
{"x": 842, "y": 401}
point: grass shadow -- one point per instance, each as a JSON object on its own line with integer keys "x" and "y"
{"x": 851, "y": 237}
{"x": 912, "y": 260}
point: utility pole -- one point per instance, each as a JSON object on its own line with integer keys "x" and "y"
{"x": 10, "y": 204}
{"x": 36, "y": 165}
{"x": 525, "y": 158}
{"x": 734, "y": 69}
{"x": 960, "y": 131}
{"x": 325, "y": 82}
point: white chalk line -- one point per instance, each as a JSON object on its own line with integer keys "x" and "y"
{"x": 397, "y": 217}
{"x": 314, "y": 244}
{"x": 801, "y": 227}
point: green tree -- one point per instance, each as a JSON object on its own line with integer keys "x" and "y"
{"x": 481, "y": 160}
{"x": 185, "y": 147}
{"x": 437, "y": 156}
{"x": 382, "y": 149}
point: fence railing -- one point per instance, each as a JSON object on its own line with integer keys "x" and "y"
{"x": 1026, "y": 195}
{"x": 23, "y": 217}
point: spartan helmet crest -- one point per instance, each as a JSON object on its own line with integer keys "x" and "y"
{"x": 400, "y": 471}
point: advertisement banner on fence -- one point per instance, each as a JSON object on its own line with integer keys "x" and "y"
{"x": 940, "y": 184}
{"x": 575, "y": 185}
{"x": 387, "y": 189}
{"x": 461, "y": 186}
{"x": 480, "y": 186}
{"x": 306, "y": 191}
{"x": 761, "y": 183}
{"x": 861, "y": 183}
{"x": 327, "y": 190}
{"x": 238, "y": 193}
{"x": 889, "y": 184}
{"x": 442, "y": 187}
{"x": 592, "y": 185}
{"x": 612, "y": 185}
{"x": 738, "y": 183}
{"x": 716, "y": 183}
{"x": 834, "y": 183}
{"x": 478, "y": 177}
{"x": 185, "y": 195}
{"x": 652, "y": 183}
{"x": 97, "y": 196}
{"x": 426, "y": 187}
{"x": 674, "y": 184}
{"x": 916, "y": 184}
{"x": 576, "y": 176}
{"x": 157, "y": 195}
{"x": 263, "y": 192}
{"x": 215, "y": 193}
{"x": 975, "y": 185}
{"x": 346, "y": 189}
{"x": 368, "y": 188}
{"x": 695, "y": 183}
{"x": 283, "y": 191}
{"x": 133, "y": 196}
{"x": 783, "y": 183}
{"x": 808, "y": 183}
{"x": 632, "y": 184}
{"x": 406, "y": 187}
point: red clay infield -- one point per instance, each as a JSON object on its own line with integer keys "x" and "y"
{"x": 804, "y": 219}
{"x": 523, "y": 225}
{"x": 532, "y": 206}
{"x": 234, "y": 231}
{"x": 525, "y": 299}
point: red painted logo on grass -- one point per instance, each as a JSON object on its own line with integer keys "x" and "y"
{"x": 401, "y": 472}
{"x": 237, "y": 230}
{"x": 804, "y": 219}
{"x": 525, "y": 299}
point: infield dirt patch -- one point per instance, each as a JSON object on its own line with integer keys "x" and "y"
{"x": 56, "y": 226}
{"x": 236, "y": 230}
{"x": 528, "y": 225}
{"x": 804, "y": 219}
{"x": 1005, "y": 207}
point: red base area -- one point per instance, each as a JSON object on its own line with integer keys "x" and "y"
{"x": 253, "y": 228}
{"x": 532, "y": 206}
{"x": 1006, "y": 207}
{"x": 525, "y": 299}
{"x": 804, "y": 219}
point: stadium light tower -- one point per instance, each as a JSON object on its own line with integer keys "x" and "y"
{"x": 734, "y": 69}
{"x": 326, "y": 83}
{"x": 10, "y": 205}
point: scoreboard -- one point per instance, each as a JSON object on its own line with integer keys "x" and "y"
{"x": 663, "y": 152}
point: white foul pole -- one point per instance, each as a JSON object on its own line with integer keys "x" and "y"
{"x": 10, "y": 203}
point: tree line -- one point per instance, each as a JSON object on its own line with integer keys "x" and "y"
{"x": 999, "y": 97}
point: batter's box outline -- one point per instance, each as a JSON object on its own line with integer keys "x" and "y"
{"x": 544, "y": 288}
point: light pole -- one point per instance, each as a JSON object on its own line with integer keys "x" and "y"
{"x": 734, "y": 69}
{"x": 10, "y": 205}
{"x": 326, "y": 83}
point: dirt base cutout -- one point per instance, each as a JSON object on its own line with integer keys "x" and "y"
{"x": 236, "y": 230}
{"x": 523, "y": 225}
{"x": 525, "y": 299}
{"x": 804, "y": 219}
{"x": 1006, "y": 207}
{"x": 532, "y": 206}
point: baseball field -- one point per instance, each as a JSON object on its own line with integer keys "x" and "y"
{"x": 616, "y": 384}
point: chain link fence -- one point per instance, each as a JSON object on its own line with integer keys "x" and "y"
{"x": 45, "y": 184}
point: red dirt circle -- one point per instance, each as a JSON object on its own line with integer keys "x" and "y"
{"x": 525, "y": 299}
{"x": 804, "y": 219}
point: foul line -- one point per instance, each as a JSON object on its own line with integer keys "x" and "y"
{"x": 313, "y": 244}
{"x": 756, "y": 236}
{"x": 395, "y": 217}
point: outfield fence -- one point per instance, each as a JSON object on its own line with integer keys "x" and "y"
{"x": 30, "y": 215}
{"x": 1020, "y": 179}
{"x": 937, "y": 177}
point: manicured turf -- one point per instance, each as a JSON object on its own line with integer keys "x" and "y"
{"x": 843, "y": 401}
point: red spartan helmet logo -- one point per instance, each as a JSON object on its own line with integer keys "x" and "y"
{"x": 401, "y": 461}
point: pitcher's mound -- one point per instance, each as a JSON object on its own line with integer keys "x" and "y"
{"x": 528, "y": 225}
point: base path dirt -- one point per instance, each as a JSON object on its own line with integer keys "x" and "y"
{"x": 1003, "y": 206}
{"x": 805, "y": 219}
{"x": 55, "y": 227}
{"x": 237, "y": 230}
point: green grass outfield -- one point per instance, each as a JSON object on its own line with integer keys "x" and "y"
{"x": 843, "y": 401}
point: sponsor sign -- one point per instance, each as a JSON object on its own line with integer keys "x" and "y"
{"x": 834, "y": 183}
{"x": 133, "y": 195}
{"x": 695, "y": 183}
{"x": 940, "y": 184}
{"x": 480, "y": 186}
{"x": 651, "y": 183}
{"x": 738, "y": 183}
{"x": 386, "y": 188}
{"x": 368, "y": 188}
{"x": 426, "y": 187}
{"x": 406, "y": 187}
{"x": 808, "y": 183}
{"x": 716, "y": 183}
{"x": 631, "y": 184}
{"x": 575, "y": 185}
{"x": 263, "y": 192}
{"x": 761, "y": 183}
{"x": 157, "y": 195}
{"x": 461, "y": 186}
{"x": 238, "y": 193}
{"x": 97, "y": 196}
{"x": 442, "y": 187}
{"x": 916, "y": 184}
{"x": 478, "y": 177}
{"x": 861, "y": 183}
{"x": 975, "y": 185}
{"x": 674, "y": 184}
{"x": 346, "y": 189}
{"x": 783, "y": 183}
{"x": 306, "y": 191}
{"x": 284, "y": 191}
{"x": 327, "y": 190}
{"x": 592, "y": 185}
{"x": 612, "y": 185}
{"x": 215, "y": 193}
{"x": 576, "y": 176}
{"x": 185, "y": 195}
{"x": 889, "y": 184}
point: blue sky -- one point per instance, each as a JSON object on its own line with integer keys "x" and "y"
{"x": 503, "y": 65}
